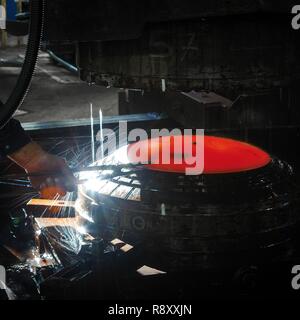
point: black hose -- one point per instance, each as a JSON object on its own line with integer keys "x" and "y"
{"x": 34, "y": 40}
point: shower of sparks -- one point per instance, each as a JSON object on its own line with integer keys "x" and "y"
{"x": 63, "y": 237}
{"x": 67, "y": 239}
{"x": 54, "y": 240}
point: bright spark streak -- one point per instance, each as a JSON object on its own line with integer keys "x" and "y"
{"x": 92, "y": 133}
{"x": 101, "y": 133}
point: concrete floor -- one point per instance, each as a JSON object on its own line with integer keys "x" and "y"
{"x": 55, "y": 93}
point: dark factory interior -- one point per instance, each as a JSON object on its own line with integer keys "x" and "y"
{"x": 87, "y": 212}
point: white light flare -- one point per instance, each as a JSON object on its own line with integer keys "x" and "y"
{"x": 101, "y": 133}
{"x": 92, "y": 134}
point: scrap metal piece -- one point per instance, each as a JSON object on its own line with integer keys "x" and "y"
{"x": 148, "y": 271}
{"x": 199, "y": 109}
{"x": 208, "y": 99}
{"x": 116, "y": 242}
{"x": 125, "y": 247}
{"x": 51, "y": 203}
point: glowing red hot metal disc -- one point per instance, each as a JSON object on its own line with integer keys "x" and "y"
{"x": 221, "y": 155}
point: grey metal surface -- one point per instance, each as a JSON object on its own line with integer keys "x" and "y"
{"x": 33, "y": 126}
{"x": 195, "y": 222}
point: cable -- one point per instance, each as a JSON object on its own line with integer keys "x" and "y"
{"x": 34, "y": 40}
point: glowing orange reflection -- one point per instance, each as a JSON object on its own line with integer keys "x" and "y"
{"x": 221, "y": 155}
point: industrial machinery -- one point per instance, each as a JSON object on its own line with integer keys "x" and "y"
{"x": 227, "y": 216}
{"x": 243, "y": 51}
{"x": 20, "y": 88}
{"x": 228, "y": 67}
